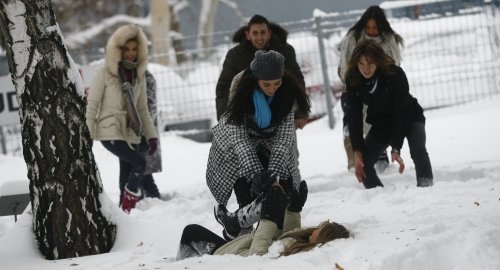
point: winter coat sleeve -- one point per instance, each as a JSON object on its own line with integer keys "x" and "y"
{"x": 142, "y": 108}
{"x": 229, "y": 70}
{"x": 292, "y": 66}
{"x": 234, "y": 84}
{"x": 346, "y": 48}
{"x": 282, "y": 142}
{"x": 263, "y": 237}
{"x": 94, "y": 99}
{"x": 403, "y": 108}
{"x": 355, "y": 123}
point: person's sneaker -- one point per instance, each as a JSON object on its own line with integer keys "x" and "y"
{"x": 228, "y": 220}
{"x": 130, "y": 199}
{"x": 382, "y": 163}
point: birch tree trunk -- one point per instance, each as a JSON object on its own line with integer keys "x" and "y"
{"x": 160, "y": 29}
{"x": 64, "y": 181}
{"x": 206, "y": 27}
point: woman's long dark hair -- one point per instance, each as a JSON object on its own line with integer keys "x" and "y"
{"x": 384, "y": 27}
{"x": 241, "y": 103}
{"x": 374, "y": 53}
{"x": 329, "y": 232}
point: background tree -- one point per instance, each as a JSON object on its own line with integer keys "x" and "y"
{"x": 64, "y": 182}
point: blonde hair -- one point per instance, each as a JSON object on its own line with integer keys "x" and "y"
{"x": 329, "y": 232}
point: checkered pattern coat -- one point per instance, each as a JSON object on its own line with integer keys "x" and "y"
{"x": 233, "y": 154}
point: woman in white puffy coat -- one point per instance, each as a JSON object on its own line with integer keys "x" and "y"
{"x": 126, "y": 59}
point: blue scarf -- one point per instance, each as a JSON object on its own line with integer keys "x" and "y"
{"x": 262, "y": 110}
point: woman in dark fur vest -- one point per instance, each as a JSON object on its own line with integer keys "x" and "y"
{"x": 252, "y": 146}
{"x": 373, "y": 79}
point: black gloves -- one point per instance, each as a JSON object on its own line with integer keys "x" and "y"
{"x": 262, "y": 181}
{"x": 299, "y": 198}
{"x": 274, "y": 205}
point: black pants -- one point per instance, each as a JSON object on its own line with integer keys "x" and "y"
{"x": 416, "y": 140}
{"x": 197, "y": 241}
{"x": 132, "y": 163}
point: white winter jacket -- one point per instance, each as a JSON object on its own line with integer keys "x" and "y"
{"x": 106, "y": 114}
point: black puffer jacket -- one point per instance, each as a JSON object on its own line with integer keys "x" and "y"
{"x": 240, "y": 57}
{"x": 391, "y": 110}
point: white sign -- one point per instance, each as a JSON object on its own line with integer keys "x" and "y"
{"x": 9, "y": 108}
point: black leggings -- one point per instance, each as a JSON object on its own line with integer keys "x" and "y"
{"x": 416, "y": 141}
{"x": 197, "y": 241}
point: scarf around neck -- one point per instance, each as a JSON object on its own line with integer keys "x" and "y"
{"x": 129, "y": 65}
{"x": 127, "y": 71}
{"x": 262, "y": 110}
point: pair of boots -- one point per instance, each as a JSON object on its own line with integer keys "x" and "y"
{"x": 240, "y": 222}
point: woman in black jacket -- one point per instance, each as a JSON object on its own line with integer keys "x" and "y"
{"x": 253, "y": 141}
{"x": 374, "y": 80}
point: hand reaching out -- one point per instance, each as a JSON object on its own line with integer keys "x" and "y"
{"x": 396, "y": 157}
{"x": 359, "y": 166}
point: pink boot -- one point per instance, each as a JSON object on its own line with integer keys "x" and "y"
{"x": 130, "y": 199}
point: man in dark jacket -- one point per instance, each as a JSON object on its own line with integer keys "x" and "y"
{"x": 259, "y": 34}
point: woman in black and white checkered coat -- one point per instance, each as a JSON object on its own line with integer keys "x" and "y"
{"x": 255, "y": 135}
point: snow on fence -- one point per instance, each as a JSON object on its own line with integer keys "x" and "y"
{"x": 451, "y": 56}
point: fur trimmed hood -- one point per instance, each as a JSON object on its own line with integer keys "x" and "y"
{"x": 118, "y": 39}
{"x": 276, "y": 29}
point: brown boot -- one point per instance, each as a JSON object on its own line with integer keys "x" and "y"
{"x": 350, "y": 153}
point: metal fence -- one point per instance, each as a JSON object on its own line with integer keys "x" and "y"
{"x": 451, "y": 56}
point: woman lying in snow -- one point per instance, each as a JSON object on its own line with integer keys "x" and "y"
{"x": 269, "y": 207}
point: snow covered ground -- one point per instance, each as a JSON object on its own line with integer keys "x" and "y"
{"x": 453, "y": 225}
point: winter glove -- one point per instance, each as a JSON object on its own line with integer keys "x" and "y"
{"x": 262, "y": 181}
{"x": 153, "y": 144}
{"x": 299, "y": 198}
{"x": 274, "y": 205}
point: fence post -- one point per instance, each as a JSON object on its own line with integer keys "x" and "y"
{"x": 2, "y": 141}
{"x": 324, "y": 67}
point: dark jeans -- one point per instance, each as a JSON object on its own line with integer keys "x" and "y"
{"x": 197, "y": 241}
{"x": 132, "y": 163}
{"x": 416, "y": 141}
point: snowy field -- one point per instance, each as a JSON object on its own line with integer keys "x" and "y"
{"x": 453, "y": 225}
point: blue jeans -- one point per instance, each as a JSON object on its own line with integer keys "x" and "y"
{"x": 132, "y": 163}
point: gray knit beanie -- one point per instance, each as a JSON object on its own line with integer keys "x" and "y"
{"x": 268, "y": 65}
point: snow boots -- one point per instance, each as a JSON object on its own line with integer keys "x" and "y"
{"x": 240, "y": 222}
{"x": 130, "y": 199}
